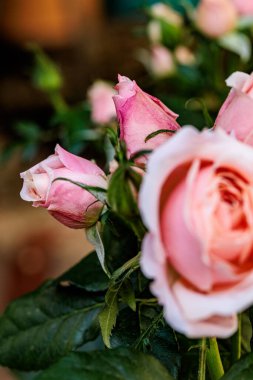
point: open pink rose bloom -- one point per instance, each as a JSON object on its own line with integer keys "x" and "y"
{"x": 197, "y": 202}
{"x": 67, "y": 202}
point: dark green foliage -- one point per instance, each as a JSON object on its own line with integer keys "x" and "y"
{"x": 119, "y": 240}
{"x": 43, "y": 326}
{"x": 117, "y": 364}
{"x": 87, "y": 275}
{"x": 241, "y": 370}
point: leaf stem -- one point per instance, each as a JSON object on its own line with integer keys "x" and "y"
{"x": 214, "y": 362}
{"x": 202, "y": 360}
{"x": 237, "y": 341}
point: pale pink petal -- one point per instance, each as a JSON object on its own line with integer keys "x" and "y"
{"x": 77, "y": 164}
{"x": 224, "y": 302}
{"x": 237, "y": 80}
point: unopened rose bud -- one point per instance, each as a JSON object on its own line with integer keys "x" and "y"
{"x": 102, "y": 106}
{"x": 139, "y": 115}
{"x": 65, "y": 201}
{"x": 215, "y": 18}
{"x": 184, "y": 56}
{"x": 161, "y": 61}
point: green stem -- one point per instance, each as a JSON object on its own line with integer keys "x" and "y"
{"x": 57, "y": 101}
{"x": 237, "y": 341}
{"x": 214, "y": 362}
{"x": 130, "y": 264}
{"x": 202, "y": 360}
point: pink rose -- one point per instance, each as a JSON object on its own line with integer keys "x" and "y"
{"x": 197, "y": 202}
{"x": 161, "y": 62}
{"x": 236, "y": 114}
{"x": 67, "y": 202}
{"x": 140, "y": 114}
{"x": 216, "y": 17}
{"x": 102, "y": 107}
{"x": 244, "y": 7}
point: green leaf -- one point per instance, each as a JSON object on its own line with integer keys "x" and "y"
{"x": 158, "y": 132}
{"x": 120, "y": 194}
{"x": 246, "y": 333}
{"x": 112, "y": 135}
{"x": 159, "y": 339}
{"x": 108, "y": 316}
{"x": 39, "y": 328}
{"x": 140, "y": 153}
{"x": 94, "y": 237}
{"x": 116, "y": 364}
{"x": 238, "y": 43}
{"x": 46, "y": 75}
{"x": 126, "y": 330}
{"x": 28, "y": 130}
{"x": 245, "y": 22}
{"x": 26, "y": 375}
{"x": 120, "y": 242}
{"x": 163, "y": 346}
{"x": 87, "y": 275}
{"x": 241, "y": 370}
{"x": 127, "y": 294}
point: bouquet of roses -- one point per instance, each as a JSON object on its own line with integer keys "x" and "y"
{"x": 172, "y": 227}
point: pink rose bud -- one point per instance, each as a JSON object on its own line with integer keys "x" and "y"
{"x": 184, "y": 56}
{"x": 244, "y": 7}
{"x": 196, "y": 200}
{"x": 139, "y": 115}
{"x": 236, "y": 113}
{"x": 65, "y": 201}
{"x": 216, "y": 17}
{"x": 164, "y": 12}
{"x": 161, "y": 62}
{"x": 102, "y": 107}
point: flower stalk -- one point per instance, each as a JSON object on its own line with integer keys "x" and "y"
{"x": 202, "y": 360}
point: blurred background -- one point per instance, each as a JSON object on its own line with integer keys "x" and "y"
{"x": 87, "y": 39}
{"x": 52, "y": 52}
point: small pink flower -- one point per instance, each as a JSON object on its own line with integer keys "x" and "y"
{"x": 197, "y": 202}
{"x": 161, "y": 62}
{"x": 184, "y": 55}
{"x": 102, "y": 107}
{"x": 216, "y": 17}
{"x": 236, "y": 113}
{"x": 244, "y": 7}
{"x": 67, "y": 202}
{"x": 140, "y": 114}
